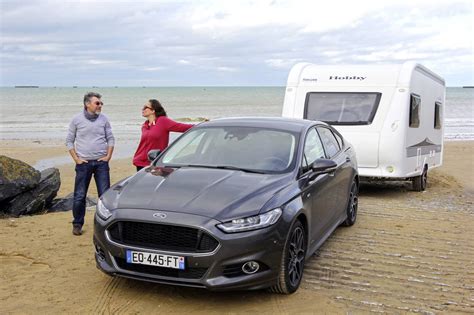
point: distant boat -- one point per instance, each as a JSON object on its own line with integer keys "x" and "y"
{"x": 468, "y": 87}
{"x": 26, "y": 86}
{"x": 74, "y": 86}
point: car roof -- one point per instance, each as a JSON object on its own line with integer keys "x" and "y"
{"x": 288, "y": 124}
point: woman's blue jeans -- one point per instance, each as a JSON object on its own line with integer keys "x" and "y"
{"x": 84, "y": 172}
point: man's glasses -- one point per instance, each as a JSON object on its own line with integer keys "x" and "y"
{"x": 98, "y": 103}
{"x": 146, "y": 107}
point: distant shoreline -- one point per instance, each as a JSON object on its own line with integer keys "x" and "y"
{"x": 165, "y": 86}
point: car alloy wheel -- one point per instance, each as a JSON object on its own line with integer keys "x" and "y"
{"x": 296, "y": 257}
{"x": 293, "y": 259}
{"x": 352, "y": 205}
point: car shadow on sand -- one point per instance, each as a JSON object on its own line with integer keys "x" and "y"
{"x": 145, "y": 296}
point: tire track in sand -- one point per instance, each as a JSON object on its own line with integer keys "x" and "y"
{"x": 408, "y": 252}
{"x": 105, "y": 296}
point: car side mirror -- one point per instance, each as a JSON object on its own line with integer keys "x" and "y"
{"x": 323, "y": 166}
{"x": 153, "y": 154}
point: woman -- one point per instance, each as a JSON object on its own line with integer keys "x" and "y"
{"x": 155, "y": 132}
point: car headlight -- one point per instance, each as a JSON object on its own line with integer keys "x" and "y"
{"x": 251, "y": 223}
{"x": 102, "y": 211}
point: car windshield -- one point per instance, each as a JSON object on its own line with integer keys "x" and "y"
{"x": 244, "y": 148}
{"x": 342, "y": 108}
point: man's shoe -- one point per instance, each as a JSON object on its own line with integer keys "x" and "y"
{"x": 77, "y": 230}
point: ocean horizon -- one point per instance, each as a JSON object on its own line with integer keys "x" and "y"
{"x": 45, "y": 112}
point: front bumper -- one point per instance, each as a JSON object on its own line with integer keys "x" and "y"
{"x": 216, "y": 270}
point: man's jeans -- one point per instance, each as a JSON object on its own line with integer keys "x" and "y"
{"x": 84, "y": 172}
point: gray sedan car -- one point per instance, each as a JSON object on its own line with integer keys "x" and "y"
{"x": 237, "y": 203}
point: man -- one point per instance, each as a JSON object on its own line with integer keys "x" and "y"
{"x": 90, "y": 142}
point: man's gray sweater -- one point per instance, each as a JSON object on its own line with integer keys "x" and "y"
{"x": 90, "y": 138}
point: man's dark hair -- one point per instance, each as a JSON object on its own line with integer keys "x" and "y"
{"x": 157, "y": 107}
{"x": 88, "y": 96}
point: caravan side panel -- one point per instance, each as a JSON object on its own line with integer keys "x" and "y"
{"x": 424, "y": 138}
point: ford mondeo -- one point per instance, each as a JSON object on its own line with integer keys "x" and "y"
{"x": 236, "y": 203}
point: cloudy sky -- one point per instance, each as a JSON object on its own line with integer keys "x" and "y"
{"x": 225, "y": 43}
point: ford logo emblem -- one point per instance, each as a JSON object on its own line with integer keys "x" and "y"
{"x": 159, "y": 215}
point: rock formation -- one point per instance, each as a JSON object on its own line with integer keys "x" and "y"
{"x": 16, "y": 177}
{"x": 23, "y": 189}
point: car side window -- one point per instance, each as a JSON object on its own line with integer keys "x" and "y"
{"x": 339, "y": 140}
{"x": 313, "y": 148}
{"x": 330, "y": 142}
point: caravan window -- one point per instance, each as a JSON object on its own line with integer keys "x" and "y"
{"x": 415, "y": 102}
{"x": 342, "y": 108}
{"x": 437, "y": 118}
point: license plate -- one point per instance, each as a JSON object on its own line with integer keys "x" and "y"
{"x": 152, "y": 259}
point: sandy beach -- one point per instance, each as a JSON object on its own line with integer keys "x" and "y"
{"x": 408, "y": 252}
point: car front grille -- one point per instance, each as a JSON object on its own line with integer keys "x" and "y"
{"x": 189, "y": 273}
{"x": 162, "y": 237}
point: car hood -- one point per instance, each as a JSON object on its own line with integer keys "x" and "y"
{"x": 214, "y": 193}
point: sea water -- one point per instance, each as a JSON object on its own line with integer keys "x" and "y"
{"x": 45, "y": 113}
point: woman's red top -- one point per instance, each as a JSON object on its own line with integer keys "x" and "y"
{"x": 156, "y": 137}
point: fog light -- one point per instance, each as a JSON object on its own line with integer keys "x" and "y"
{"x": 250, "y": 267}
{"x": 99, "y": 252}
{"x": 390, "y": 169}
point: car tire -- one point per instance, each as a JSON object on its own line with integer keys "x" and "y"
{"x": 352, "y": 205}
{"x": 292, "y": 261}
{"x": 419, "y": 182}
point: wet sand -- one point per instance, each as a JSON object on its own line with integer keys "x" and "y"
{"x": 408, "y": 252}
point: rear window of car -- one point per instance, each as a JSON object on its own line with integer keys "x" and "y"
{"x": 330, "y": 142}
{"x": 342, "y": 108}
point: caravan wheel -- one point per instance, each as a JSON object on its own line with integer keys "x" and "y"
{"x": 419, "y": 182}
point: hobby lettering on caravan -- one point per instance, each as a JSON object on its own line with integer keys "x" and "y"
{"x": 335, "y": 77}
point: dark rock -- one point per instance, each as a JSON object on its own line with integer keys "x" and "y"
{"x": 35, "y": 200}
{"x": 16, "y": 177}
{"x": 51, "y": 179}
{"x": 65, "y": 204}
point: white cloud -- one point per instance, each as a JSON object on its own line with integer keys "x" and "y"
{"x": 101, "y": 62}
{"x": 227, "y": 69}
{"x": 254, "y": 40}
{"x": 281, "y": 63}
{"x": 153, "y": 68}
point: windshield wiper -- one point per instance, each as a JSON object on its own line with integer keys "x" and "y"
{"x": 235, "y": 168}
{"x": 226, "y": 167}
{"x": 172, "y": 165}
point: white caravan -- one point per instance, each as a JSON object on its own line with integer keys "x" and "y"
{"x": 392, "y": 114}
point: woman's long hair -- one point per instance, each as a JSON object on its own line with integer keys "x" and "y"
{"x": 157, "y": 107}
